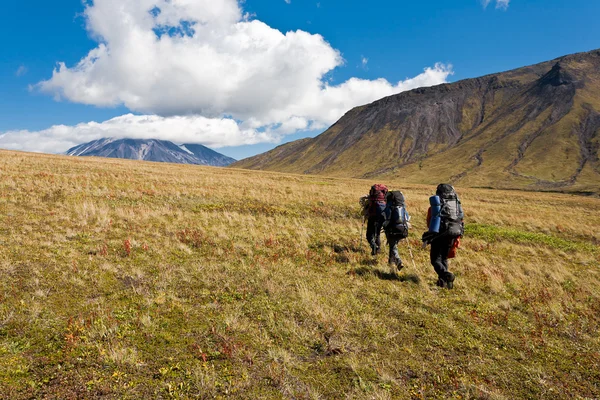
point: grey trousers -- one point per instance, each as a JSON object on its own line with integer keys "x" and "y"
{"x": 393, "y": 240}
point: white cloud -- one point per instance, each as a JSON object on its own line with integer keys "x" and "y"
{"x": 210, "y": 132}
{"x": 22, "y": 70}
{"x": 288, "y": 1}
{"x": 500, "y": 4}
{"x": 208, "y": 58}
{"x": 503, "y": 4}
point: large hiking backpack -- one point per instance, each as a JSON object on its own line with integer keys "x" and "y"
{"x": 451, "y": 212}
{"x": 397, "y": 222}
{"x": 364, "y": 205}
{"x": 377, "y": 196}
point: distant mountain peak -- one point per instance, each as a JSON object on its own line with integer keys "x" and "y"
{"x": 151, "y": 150}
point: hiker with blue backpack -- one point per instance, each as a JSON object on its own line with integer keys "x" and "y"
{"x": 446, "y": 227}
{"x": 396, "y": 226}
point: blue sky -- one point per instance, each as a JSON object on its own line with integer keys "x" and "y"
{"x": 393, "y": 40}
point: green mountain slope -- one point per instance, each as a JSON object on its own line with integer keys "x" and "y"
{"x": 531, "y": 128}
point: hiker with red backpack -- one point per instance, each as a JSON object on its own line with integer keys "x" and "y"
{"x": 396, "y": 226}
{"x": 446, "y": 227}
{"x": 374, "y": 208}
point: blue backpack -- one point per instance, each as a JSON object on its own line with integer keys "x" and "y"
{"x": 396, "y": 217}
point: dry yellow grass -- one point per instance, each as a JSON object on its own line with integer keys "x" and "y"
{"x": 124, "y": 279}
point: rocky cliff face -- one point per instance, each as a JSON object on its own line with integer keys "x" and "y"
{"x": 535, "y": 128}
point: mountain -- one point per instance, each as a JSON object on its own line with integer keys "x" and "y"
{"x": 534, "y": 128}
{"x": 151, "y": 150}
{"x": 208, "y": 156}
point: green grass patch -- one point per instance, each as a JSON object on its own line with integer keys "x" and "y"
{"x": 491, "y": 233}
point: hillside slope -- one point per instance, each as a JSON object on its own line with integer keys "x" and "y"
{"x": 535, "y": 128}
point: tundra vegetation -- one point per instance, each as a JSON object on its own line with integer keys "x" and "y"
{"x": 132, "y": 280}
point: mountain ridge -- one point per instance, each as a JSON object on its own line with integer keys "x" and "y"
{"x": 534, "y": 128}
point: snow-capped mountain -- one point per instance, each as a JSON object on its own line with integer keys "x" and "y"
{"x": 151, "y": 150}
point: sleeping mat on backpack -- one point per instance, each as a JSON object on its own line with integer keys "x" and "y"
{"x": 436, "y": 219}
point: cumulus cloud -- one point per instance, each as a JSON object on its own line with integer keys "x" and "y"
{"x": 500, "y": 4}
{"x": 184, "y": 129}
{"x": 208, "y": 58}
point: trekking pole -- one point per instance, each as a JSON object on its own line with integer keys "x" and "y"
{"x": 411, "y": 254}
{"x": 362, "y": 226}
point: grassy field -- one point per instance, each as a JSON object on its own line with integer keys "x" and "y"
{"x": 136, "y": 280}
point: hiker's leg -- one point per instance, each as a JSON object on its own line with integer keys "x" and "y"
{"x": 394, "y": 255}
{"x": 399, "y": 263}
{"x": 445, "y": 246}
{"x": 436, "y": 256}
{"x": 370, "y": 229}
{"x": 371, "y": 233}
{"x": 378, "y": 226}
{"x": 439, "y": 259}
{"x": 392, "y": 242}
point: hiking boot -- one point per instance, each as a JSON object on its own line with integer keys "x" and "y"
{"x": 396, "y": 262}
{"x": 374, "y": 248}
{"x": 440, "y": 282}
{"x": 399, "y": 264}
{"x": 450, "y": 280}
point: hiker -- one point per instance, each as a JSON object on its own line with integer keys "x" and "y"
{"x": 446, "y": 227}
{"x": 396, "y": 226}
{"x": 374, "y": 209}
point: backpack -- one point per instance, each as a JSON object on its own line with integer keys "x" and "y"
{"x": 364, "y": 205}
{"x": 397, "y": 217}
{"x": 377, "y": 196}
{"x": 451, "y": 212}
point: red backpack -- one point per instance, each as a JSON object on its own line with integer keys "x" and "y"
{"x": 377, "y": 196}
